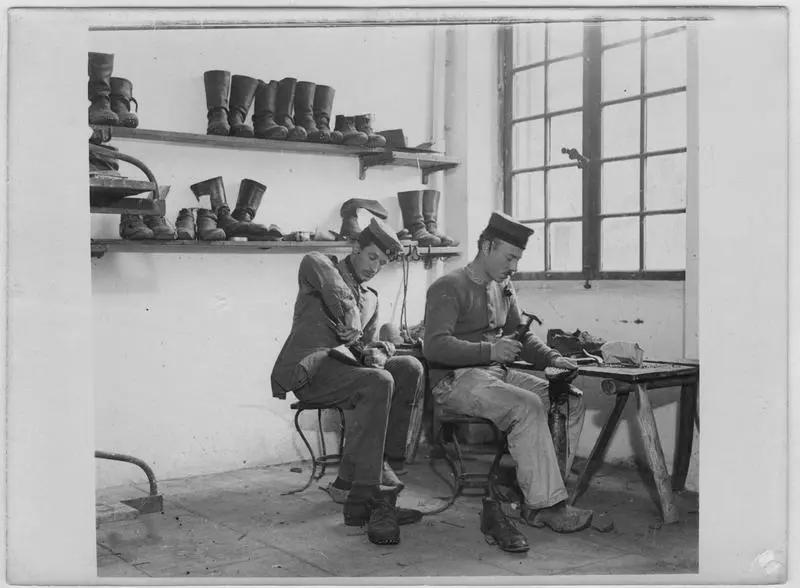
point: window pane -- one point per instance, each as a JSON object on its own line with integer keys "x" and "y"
{"x": 665, "y": 242}
{"x": 565, "y": 38}
{"x": 624, "y": 30}
{"x": 620, "y": 187}
{"x": 527, "y": 195}
{"x": 666, "y": 121}
{"x": 565, "y": 84}
{"x": 565, "y": 131}
{"x": 527, "y": 144}
{"x": 565, "y": 192}
{"x": 566, "y": 246}
{"x": 533, "y": 258}
{"x": 620, "y": 124}
{"x": 621, "y": 72}
{"x": 528, "y": 43}
{"x": 665, "y": 185}
{"x": 619, "y": 244}
{"x": 528, "y": 92}
{"x": 666, "y": 61}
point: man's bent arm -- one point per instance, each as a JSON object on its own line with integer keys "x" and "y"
{"x": 534, "y": 350}
{"x": 318, "y": 274}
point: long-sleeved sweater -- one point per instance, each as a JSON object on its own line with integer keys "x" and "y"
{"x": 464, "y": 316}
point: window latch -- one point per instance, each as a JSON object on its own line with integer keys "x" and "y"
{"x": 573, "y": 153}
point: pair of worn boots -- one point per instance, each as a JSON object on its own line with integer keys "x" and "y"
{"x": 136, "y": 227}
{"x": 420, "y": 209}
{"x": 110, "y": 97}
{"x": 220, "y": 223}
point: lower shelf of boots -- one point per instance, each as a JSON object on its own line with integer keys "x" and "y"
{"x": 100, "y": 247}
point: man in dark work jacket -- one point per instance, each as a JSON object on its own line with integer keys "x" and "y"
{"x": 470, "y": 317}
{"x": 335, "y": 310}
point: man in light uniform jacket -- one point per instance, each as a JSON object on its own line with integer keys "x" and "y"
{"x": 470, "y": 317}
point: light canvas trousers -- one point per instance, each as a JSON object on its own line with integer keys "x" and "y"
{"x": 517, "y": 402}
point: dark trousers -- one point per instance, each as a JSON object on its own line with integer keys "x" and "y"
{"x": 378, "y": 404}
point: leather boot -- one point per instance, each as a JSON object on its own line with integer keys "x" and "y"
{"x": 247, "y": 203}
{"x": 364, "y": 125}
{"x": 264, "y": 125}
{"x": 121, "y": 98}
{"x": 215, "y": 188}
{"x": 304, "y": 107}
{"x": 131, "y": 226}
{"x": 349, "y": 214}
{"x": 243, "y": 90}
{"x": 430, "y": 213}
{"x": 185, "y": 228}
{"x": 346, "y": 125}
{"x": 323, "y": 105}
{"x": 411, "y": 207}
{"x": 283, "y": 109}
{"x": 218, "y": 88}
{"x": 498, "y": 530}
{"x": 358, "y": 509}
{"x": 208, "y": 226}
{"x": 160, "y": 227}
{"x": 561, "y": 517}
{"x": 100, "y": 67}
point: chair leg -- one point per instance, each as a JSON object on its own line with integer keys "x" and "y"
{"x": 310, "y": 450}
{"x": 324, "y": 450}
{"x": 342, "y": 431}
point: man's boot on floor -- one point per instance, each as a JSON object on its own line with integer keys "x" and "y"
{"x": 430, "y": 213}
{"x": 121, "y": 98}
{"x": 132, "y": 227}
{"x": 284, "y": 103}
{"x": 247, "y": 203}
{"x": 323, "y": 106}
{"x": 411, "y": 207}
{"x": 208, "y": 226}
{"x": 218, "y": 88}
{"x": 363, "y": 124}
{"x": 215, "y": 189}
{"x": 243, "y": 91}
{"x": 498, "y": 530}
{"x": 346, "y": 125}
{"x": 264, "y": 125}
{"x": 561, "y": 517}
{"x": 100, "y": 67}
{"x": 304, "y": 108}
{"x": 160, "y": 227}
{"x": 349, "y": 214}
{"x": 185, "y": 228}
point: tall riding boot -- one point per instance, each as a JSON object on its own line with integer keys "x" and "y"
{"x": 283, "y": 109}
{"x": 185, "y": 227}
{"x": 243, "y": 90}
{"x": 411, "y": 207}
{"x": 121, "y": 98}
{"x": 218, "y": 87}
{"x": 349, "y": 214}
{"x": 346, "y": 125}
{"x": 364, "y": 125}
{"x": 215, "y": 188}
{"x": 304, "y": 107}
{"x": 100, "y": 67}
{"x": 430, "y": 212}
{"x": 250, "y": 194}
{"x": 264, "y": 125}
{"x": 323, "y": 105}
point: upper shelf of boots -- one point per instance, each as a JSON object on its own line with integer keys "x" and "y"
{"x": 426, "y": 162}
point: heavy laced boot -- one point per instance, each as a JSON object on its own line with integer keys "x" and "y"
{"x": 243, "y": 91}
{"x": 215, "y": 189}
{"x": 364, "y": 125}
{"x": 131, "y": 226}
{"x": 160, "y": 227}
{"x": 304, "y": 107}
{"x": 100, "y": 67}
{"x": 284, "y": 103}
{"x": 498, "y": 530}
{"x": 185, "y": 227}
{"x": 218, "y": 87}
{"x": 121, "y": 98}
{"x": 411, "y": 207}
{"x": 430, "y": 213}
{"x": 247, "y": 203}
{"x": 264, "y": 125}
{"x": 323, "y": 106}
{"x": 346, "y": 125}
{"x": 208, "y": 226}
{"x": 381, "y": 515}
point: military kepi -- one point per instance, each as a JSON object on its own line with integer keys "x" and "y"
{"x": 502, "y": 226}
{"x": 383, "y": 237}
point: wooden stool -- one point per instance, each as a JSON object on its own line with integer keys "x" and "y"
{"x": 325, "y": 459}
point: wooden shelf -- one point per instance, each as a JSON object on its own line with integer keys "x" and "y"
{"x": 426, "y": 162}
{"x": 111, "y": 195}
{"x": 100, "y": 247}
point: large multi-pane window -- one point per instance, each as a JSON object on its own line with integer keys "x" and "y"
{"x": 595, "y": 147}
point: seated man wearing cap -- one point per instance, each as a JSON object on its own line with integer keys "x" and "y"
{"x": 325, "y": 359}
{"x": 470, "y": 317}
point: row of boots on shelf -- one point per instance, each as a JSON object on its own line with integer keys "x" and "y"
{"x": 285, "y": 109}
{"x": 110, "y": 97}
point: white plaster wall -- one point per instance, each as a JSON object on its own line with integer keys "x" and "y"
{"x": 184, "y": 343}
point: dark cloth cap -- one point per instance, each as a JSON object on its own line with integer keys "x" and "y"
{"x": 380, "y": 234}
{"x": 502, "y": 226}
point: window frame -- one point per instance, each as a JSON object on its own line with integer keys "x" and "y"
{"x": 591, "y": 106}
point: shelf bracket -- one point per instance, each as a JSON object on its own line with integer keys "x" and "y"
{"x": 427, "y": 171}
{"x": 97, "y": 250}
{"x": 368, "y": 160}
